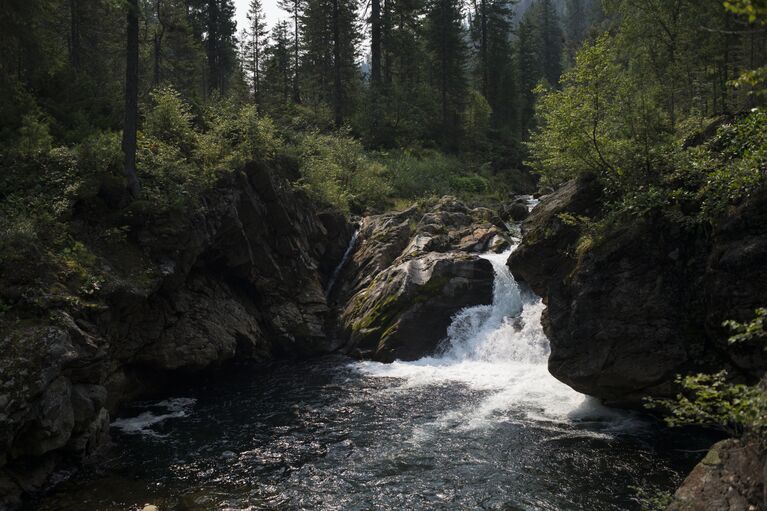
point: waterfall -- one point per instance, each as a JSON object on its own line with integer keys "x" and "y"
{"x": 337, "y": 271}
{"x": 499, "y": 348}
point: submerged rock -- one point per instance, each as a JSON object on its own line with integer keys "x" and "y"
{"x": 412, "y": 272}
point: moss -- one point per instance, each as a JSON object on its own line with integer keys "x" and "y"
{"x": 713, "y": 458}
{"x": 430, "y": 289}
{"x": 379, "y": 314}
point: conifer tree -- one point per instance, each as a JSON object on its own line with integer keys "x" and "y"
{"x": 295, "y": 8}
{"x": 447, "y": 59}
{"x": 253, "y": 46}
{"x": 278, "y": 71}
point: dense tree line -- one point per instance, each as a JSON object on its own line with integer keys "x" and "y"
{"x": 454, "y": 75}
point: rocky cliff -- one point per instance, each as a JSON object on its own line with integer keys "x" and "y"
{"x": 242, "y": 277}
{"x": 411, "y": 272}
{"x": 641, "y": 301}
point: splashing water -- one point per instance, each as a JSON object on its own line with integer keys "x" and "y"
{"x": 479, "y": 425}
{"x": 500, "y": 348}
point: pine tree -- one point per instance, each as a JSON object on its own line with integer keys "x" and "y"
{"x": 253, "y": 45}
{"x": 214, "y": 23}
{"x": 491, "y": 31}
{"x": 278, "y": 71}
{"x": 447, "y": 59}
{"x": 551, "y": 40}
{"x": 576, "y": 21}
{"x": 529, "y": 71}
{"x": 331, "y": 37}
{"x": 296, "y": 10}
{"x": 131, "y": 99}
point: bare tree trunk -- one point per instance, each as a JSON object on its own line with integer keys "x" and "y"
{"x": 337, "y": 79}
{"x": 214, "y": 78}
{"x": 131, "y": 100}
{"x": 296, "y": 62}
{"x": 483, "y": 49}
{"x": 74, "y": 34}
{"x": 375, "y": 42}
{"x": 158, "y": 35}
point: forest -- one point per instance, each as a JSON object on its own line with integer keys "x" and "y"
{"x": 373, "y": 103}
{"x": 179, "y": 192}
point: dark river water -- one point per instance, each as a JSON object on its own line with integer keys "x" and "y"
{"x": 482, "y": 425}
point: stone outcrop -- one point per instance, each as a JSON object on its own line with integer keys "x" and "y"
{"x": 241, "y": 278}
{"x": 632, "y": 306}
{"x": 731, "y": 477}
{"x": 411, "y": 272}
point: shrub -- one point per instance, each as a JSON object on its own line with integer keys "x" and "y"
{"x": 34, "y": 137}
{"x": 170, "y": 120}
{"x": 414, "y": 174}
{"x": 711, "y": 400}
{"x": 336, "y": 171}
{"x": 235, "y": 135}
{"x": 605, "y": 120}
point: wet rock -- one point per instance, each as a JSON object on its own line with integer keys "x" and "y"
{"x": 514, "y": 212}
{"x": 730, "y": 478}
{"x": 242, "y": 277}
{"x": 412, "y": 271}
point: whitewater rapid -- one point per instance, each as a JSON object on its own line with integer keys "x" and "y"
{"x": 501, "y": 350}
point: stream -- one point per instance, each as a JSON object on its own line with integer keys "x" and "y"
{"x": 480, "y": 425}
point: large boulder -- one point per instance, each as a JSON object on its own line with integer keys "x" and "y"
{"x": 412, "y": 271}
{"x": 643, "y": 301}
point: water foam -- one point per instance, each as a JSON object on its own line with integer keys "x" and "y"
{"x": 142, "y": 424}
{"x": 501, "y": 349}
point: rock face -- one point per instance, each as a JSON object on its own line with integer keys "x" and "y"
{"x": 730, "y": 478}
{"x": 411, "y": 272}
{"x": 632, "y": 307}
{"x": 242, "y": 278}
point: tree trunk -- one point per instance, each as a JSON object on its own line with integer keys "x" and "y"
{"x": 214, "y": 78}
{"x": 158, "y": 35}
{"x": 131, "y": 100}
{"x": 483, "y": 43}
{"x": 74, "y": 34}
{"x": 375, "y": 42}
{"x": 296, "y": 63}
{"x": 337, "y": 81}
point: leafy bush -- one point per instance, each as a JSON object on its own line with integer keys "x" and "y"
{"x": 236, "y": 134}
{"x": 733, "y": 164}
{"x": 336, "y": 170}
{"x": 605, "y": 120}
{"x": 170, "y": 120}
{"x": 415, "y": 174}
{"x": 711, "y": 400}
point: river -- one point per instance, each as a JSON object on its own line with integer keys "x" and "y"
{"x": 481, "y": 425}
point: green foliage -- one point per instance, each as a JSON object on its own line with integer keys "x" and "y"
{"x": 653, "y": 499}
{"x": 599, "y": 122}
{"x": 236, "y": 134}
{"x": 730, "y": 166}
{"x": 712, "y": 400}
{"x": 476, "y": 118}
{"x": 414, "y": 174}
{"x": 34, "y": 136}
{"x": 755, "y": 329}
{"x": 170, "y": 120}
{"x": 756, "y": 10}
{"x": 335, "y": 170}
